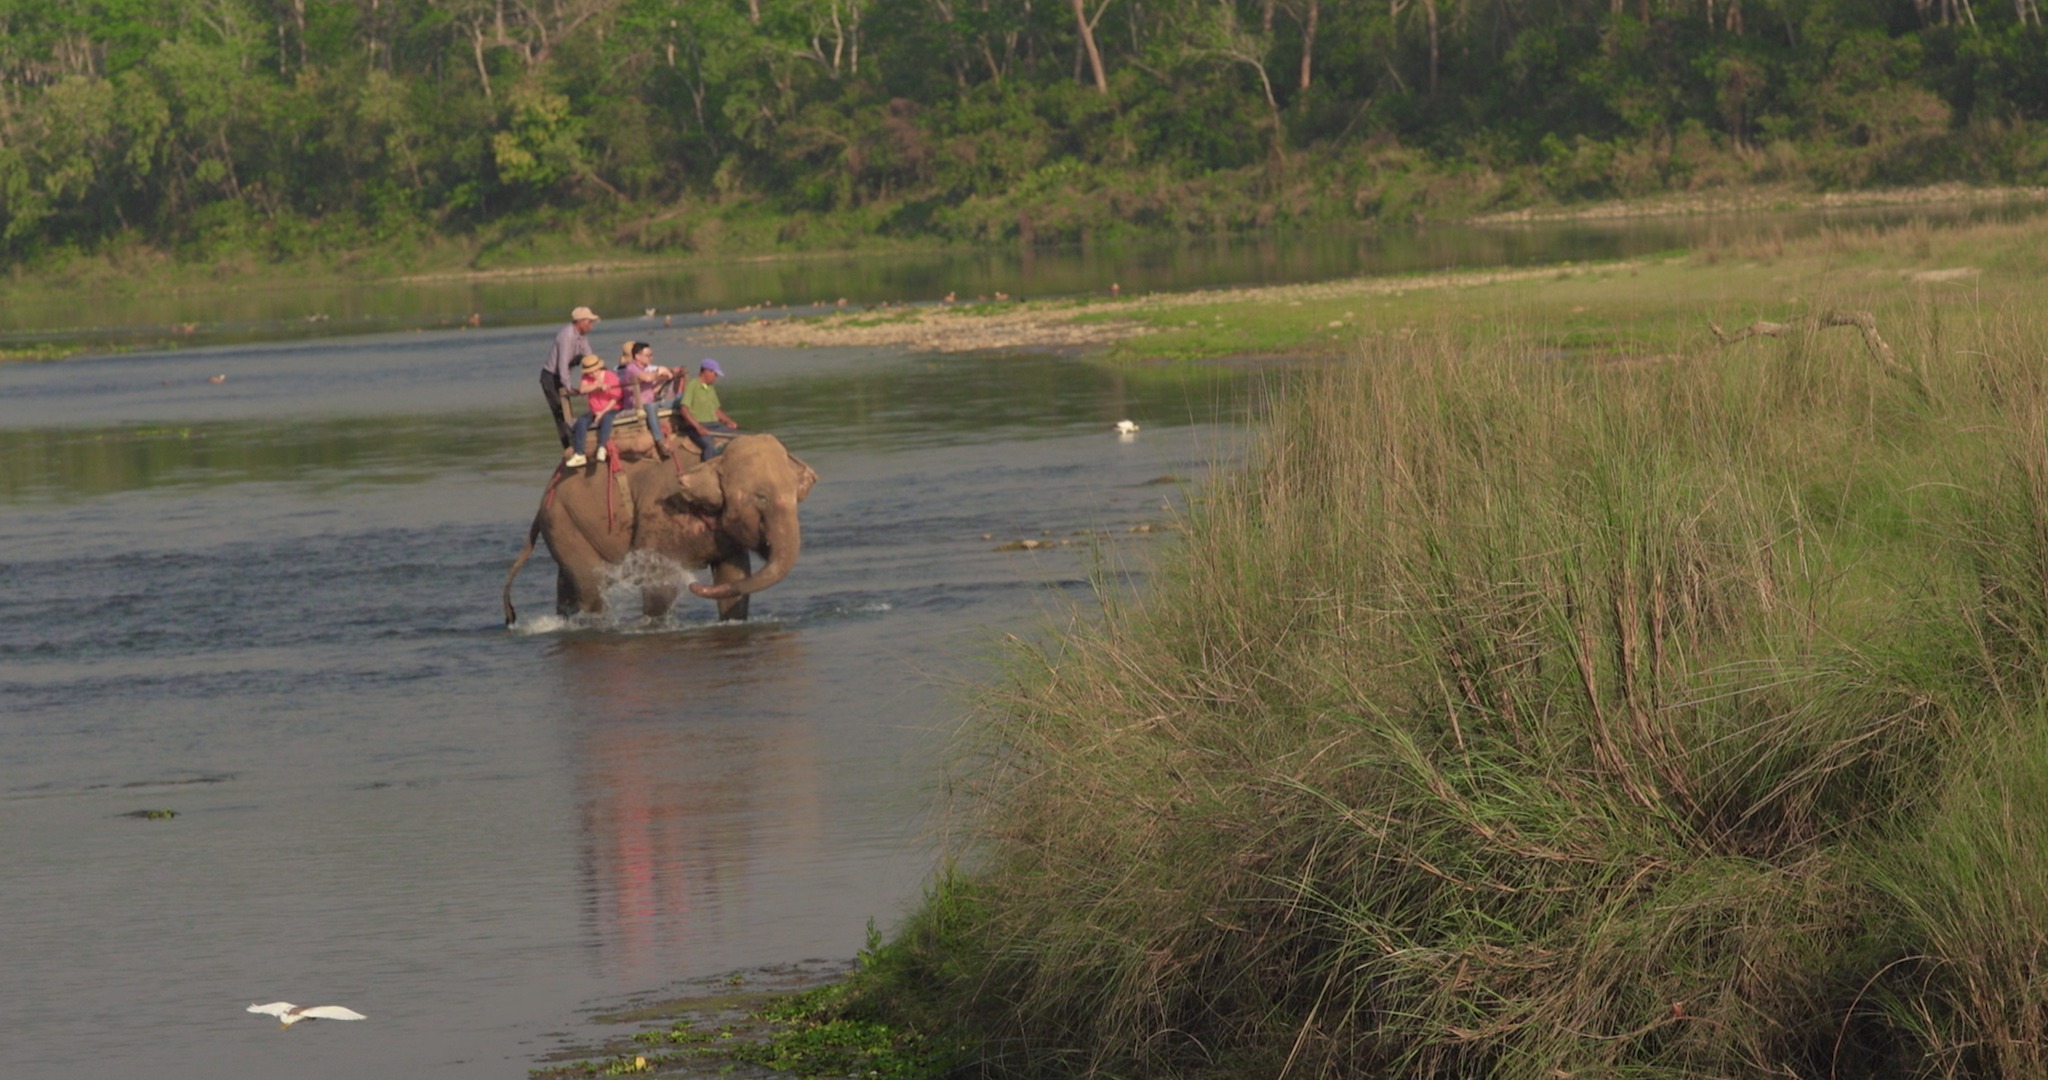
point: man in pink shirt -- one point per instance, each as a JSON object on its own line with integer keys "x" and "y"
{"x": 601, "y": 388}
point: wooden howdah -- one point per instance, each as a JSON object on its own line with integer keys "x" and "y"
{"x": 630, "y": 438}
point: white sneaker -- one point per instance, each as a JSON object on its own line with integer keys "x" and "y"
{"x": 575, "y": 461}
{"x": 603, "y": 452}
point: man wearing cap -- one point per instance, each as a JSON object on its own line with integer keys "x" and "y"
{"x": 702, "y": 414}
{"x": 558, "y": 377}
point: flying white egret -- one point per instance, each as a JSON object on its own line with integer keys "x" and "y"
{"x": 291, "y": 1014}
{"x": 1125, "y": 427}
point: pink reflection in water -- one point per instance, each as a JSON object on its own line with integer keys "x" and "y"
{"x": 682, "y": 790}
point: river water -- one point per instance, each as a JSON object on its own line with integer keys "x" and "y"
{"x": 269, "y": 604}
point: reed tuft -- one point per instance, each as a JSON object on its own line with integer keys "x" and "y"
{"x": 1514, "y": 716}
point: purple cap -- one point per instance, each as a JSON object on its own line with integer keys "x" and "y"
{"x": 710, "y": 366}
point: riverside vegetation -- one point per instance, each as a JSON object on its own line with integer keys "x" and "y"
{"x": 1557, "y": 691}
{"x": 140, "y": 141}
{"x": 1673, "y": 711}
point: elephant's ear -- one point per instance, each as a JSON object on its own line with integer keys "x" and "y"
{"x": 806, "y": 477}
{"x": 703, "y": 485}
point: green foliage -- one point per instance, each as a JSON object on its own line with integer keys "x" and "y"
{"x": 843, "y": 1048}
{"x": 541, "y": 145}
{"x": 829, "y": 1031}
{"x": 200, "y": 126}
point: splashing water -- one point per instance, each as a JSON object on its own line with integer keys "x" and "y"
{"x": 638, "y": 573}
{"x": 623, "y": 587}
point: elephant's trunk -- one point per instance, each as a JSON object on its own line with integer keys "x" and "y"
{"x": 784, "y": 543}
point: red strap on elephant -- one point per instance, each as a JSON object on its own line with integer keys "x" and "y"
{"x": 554, "y": 482}
{"x": 675, "y": 453}
{"x": 611, "y": 467}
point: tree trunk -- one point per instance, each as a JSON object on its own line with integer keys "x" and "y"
{"x": 483, "y": 71}
{"x": 371, "y": 45}
{"x": 1087, "y": 32}
{"x": 1429, "y": 13}
{"x": 838, "y": 39}
{"x": 227, "y": 154}
{"x": 1308, "y": 43}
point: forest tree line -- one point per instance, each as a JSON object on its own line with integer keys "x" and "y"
{"x": 287, "y": 122}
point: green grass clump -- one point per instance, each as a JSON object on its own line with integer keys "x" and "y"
{"x": 38, "y": 351}
{"x": 854, "y": 1027}
{"x": 1518, "y": 716}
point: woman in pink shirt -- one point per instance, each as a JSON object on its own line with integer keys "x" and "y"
{"x": 603, "y": 390}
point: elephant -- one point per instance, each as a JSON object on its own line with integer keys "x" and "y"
{"x": 711, "y": 514}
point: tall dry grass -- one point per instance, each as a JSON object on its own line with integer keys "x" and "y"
{"x": 1513, "y": 717}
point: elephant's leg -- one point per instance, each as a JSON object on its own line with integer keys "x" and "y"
{"x": 579, "y": 568}
{"x": 722, "y": 573}
{"x": 579, "y": 592}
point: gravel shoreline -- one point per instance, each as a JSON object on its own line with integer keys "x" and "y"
{"x": 1750, "y": 200}
{"x": 1079, "y": 324}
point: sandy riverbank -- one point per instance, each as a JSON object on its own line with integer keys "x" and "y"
{"x": 1759, "y": 200}
{"x": 1070, "y": 324}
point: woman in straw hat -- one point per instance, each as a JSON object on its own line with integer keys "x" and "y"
{"x": 602, "y": 389}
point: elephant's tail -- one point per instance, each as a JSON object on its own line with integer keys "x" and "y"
{"x": 532, "y": 534}
{"x": 525, "y": 553}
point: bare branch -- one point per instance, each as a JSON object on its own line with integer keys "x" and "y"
{"x": 1861, "y": 320}
{"x": 1759, "y": 328}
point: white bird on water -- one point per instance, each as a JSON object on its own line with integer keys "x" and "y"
{"x": 291, "y": 1014}
{"x": 1125, "y": 427}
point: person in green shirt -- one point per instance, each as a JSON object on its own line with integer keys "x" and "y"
{"x": 701, "y": 412}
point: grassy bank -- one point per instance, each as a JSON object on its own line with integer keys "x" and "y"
{"x": 283, "y": 252}
{"x": 1633, "y": 309}
{"x": 540, "y": 244}
{"x": 1516, "y": 714}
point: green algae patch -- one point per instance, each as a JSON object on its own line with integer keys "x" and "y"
{"x": 805, "y": 1020}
